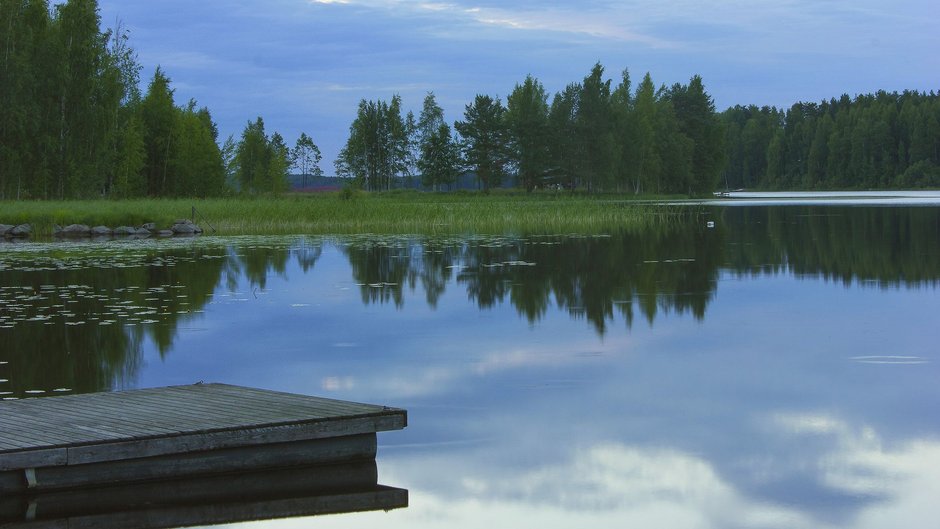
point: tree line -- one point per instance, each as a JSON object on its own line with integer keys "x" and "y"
{"x": 649, "y": 140}
{"x": 591, "y": 136}
{"x": 75, "y": 124}
{"x": 885, "y": 140}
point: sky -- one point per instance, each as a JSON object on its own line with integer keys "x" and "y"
{"x": 303, "y": 65}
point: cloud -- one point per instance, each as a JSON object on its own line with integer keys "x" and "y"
{"x": 858, "y": 461}
{"x": 538, "y": 18}
{"x": 242, "y": 61}
{"x": 618, "y": 485}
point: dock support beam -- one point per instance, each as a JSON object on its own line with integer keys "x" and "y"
{"x": 31, "y": 481}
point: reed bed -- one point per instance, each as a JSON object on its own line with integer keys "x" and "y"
{"x": 339, "y": 213}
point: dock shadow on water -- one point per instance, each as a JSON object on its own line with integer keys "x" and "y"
{"x": 261, "y": 495}
{"x": 760, "y": 366}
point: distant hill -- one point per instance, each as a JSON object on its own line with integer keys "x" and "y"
{"x": 314, "y": 184}
{"x": 466, "y": 180}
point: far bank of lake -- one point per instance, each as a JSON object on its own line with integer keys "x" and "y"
{"x": 358, "y": 212}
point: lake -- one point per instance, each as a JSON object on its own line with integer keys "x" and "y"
{"x": 750, "y": 366}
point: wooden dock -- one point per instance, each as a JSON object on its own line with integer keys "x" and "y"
{"x": 178, "y": 432}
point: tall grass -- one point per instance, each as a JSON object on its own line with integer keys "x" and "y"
{"x": 325, "y": 213}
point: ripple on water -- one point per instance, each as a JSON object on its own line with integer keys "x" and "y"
{"x": 890, "y": 359}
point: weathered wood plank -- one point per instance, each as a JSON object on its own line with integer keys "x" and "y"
{"x": 35, "y": 458}
{"x": 241, "y": 459}
{"x": 228, "y": 439}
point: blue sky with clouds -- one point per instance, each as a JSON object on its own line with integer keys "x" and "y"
{"x": 303, "y": 65}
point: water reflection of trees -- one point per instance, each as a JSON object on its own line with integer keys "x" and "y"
{"x": 77, "y": 319}
{"x": 888, "y": 246}
{"x": 674, "y": 269}
{"x": 589, "y": 277}
{"x": 82, "y": 326}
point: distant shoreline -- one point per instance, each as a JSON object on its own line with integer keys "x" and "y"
{"x": 844, "y": 198}
{"x": 360, "y": 212}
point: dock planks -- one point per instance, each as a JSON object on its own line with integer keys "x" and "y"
{"x": 195, "y": 429}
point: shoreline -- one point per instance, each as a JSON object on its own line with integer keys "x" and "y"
{"x": 381, "y": 213}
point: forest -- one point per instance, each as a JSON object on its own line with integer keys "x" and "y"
{"x": 880, "y": 141}
{"x": 591, "y": 136}
{"x": 75, "y": 123}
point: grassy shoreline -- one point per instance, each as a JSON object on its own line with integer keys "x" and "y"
{"x": 328, "y": 213}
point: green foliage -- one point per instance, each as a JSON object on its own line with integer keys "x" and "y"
{"x": 74, "y": 122}
{"x": 527, "y": 124}
{"x": 596, "y": 131}
{"x": 484, "y": 140}
{"x": 349, "y": 192}
{"x": 695, "y": 112}
{"x": 128, "y": 179}
{"x": 306, "y": 157}
{"x": 873, "y": 141}
{"x": 158, "y": 115}
{"x": 627, "y": 134}
{"x": 82, "y": 99}
{"x": 438, "y": 156}
{"x": 600, "y": 140}
{"x": 924, "y": 173}
{"x": 430, "y": 119}
{"x": 60, "y": 91}
{"x": 644, "y": 162}
{"x": 378, "y": 147}
{"x": 279, "y": 165}
{"x": 354, "y": 211}
{"x": 566, "y": 156}
{"x": 252, "y": 158}
{"x": 197, "y": 162}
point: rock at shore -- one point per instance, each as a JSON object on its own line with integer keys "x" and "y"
{"x": 185, "y": 227}
{"x": 180, "y": 227}
{"x": 75, "y": 230}
{"x": 23, "y": 230}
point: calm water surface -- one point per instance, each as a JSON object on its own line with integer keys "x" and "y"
{"x": 777, "y": 370}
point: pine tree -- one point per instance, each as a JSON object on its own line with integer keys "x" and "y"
{"x": 197, "y": 163}
{"x": 695, "y": 112}
{"x": 527, "y": 127}
{"x": 484, "y": 140}
{"x": 625, "y": 133}
{"x": 252, "y": 158}
{"x": 596, "y": 131}
{"x": 565, "y": 147}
